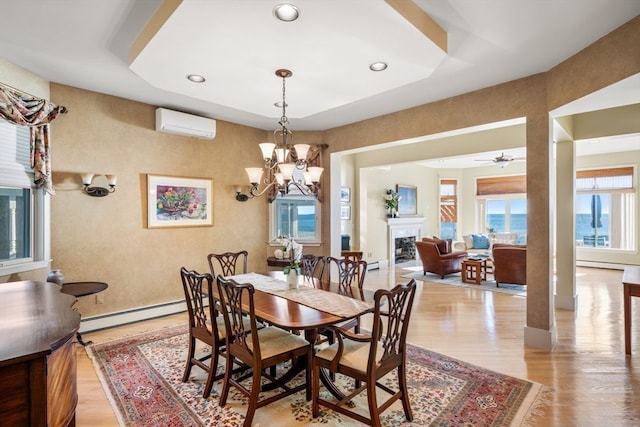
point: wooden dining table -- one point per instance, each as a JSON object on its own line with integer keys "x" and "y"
{"x": 313, "y": 305}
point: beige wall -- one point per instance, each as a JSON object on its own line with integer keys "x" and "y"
{"x": 106, "y": 239}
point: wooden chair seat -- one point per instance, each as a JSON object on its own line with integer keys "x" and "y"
{"x": 354, "y": 355}
{"x": 274, "y": 341}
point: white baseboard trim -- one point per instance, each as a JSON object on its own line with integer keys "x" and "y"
{"x": 118, "y": 318}
{"x": 597, "y": 264}
{"x": 540, "y": 338}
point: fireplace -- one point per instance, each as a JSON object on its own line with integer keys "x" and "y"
{"x": 405, "y": 249}
{"x": 402, "y": 235}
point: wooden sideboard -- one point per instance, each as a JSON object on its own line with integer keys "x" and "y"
{"x": 37, "y": 355}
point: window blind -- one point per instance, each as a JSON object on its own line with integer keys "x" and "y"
{"x": 501, "y": 185}
{"x": 605, "y": 180}
{"x": 14, "y": 156}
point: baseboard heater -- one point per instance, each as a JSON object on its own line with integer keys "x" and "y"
{"x": 119, "y": 318}
{"x": 375, "y": 265}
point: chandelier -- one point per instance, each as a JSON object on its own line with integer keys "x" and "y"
{"x": 285, "y": 164}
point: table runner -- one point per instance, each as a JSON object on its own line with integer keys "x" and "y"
{"x": 329, "y": 302}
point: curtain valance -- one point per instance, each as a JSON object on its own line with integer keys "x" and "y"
{"x": 27, "y": 110}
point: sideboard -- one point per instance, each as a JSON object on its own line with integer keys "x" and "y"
{"x": 37, "y": 355}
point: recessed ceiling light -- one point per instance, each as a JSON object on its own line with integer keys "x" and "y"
{"x": 196, "y": 78}
{"x": 286, "y": 12}
{"x": 378, "y": 66}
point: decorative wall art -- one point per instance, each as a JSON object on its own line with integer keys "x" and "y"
{"x": 179, "y": 202}
{"x": 345, "y": 212}
{"x": 345, "y": 194}
{"x": 408, "y": 204}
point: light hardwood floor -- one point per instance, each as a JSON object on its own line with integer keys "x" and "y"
{"x": 593, "y": 382}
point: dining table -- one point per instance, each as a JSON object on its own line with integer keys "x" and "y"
{"x": 312, "y": 305}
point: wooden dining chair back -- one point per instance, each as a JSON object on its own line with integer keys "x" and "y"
{"x": 350, "y": 272}
{"x": 226, "y": 264}
{"x": 205, "y": 325}
{"x": 312, "y": 266}
{"x": 260, "y": 350}
{"x": 367, "y": 359}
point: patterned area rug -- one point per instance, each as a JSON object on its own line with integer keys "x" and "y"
{"x": 456, "y": 280}
{"x": 142, "y": 377}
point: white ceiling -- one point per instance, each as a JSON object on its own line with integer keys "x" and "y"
{"x": 238, "y": 45}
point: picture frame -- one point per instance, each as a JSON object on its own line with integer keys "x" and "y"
{"x": 345, "y": 212}
{"x": 345, "y": 194}
{"x": 174, "y": 201}
{"x": 408, "y": 204}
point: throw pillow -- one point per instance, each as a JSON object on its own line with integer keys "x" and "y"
{"x": 444, "y": 245}
{"x": 468, "y": 241}
{"x": 480, "y": 241}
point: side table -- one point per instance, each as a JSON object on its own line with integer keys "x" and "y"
{"x": 474, "y": 271}
{"x": 82, "y": 289}
{"x": 631, "y": 282}
{"x": 278, "y": 262}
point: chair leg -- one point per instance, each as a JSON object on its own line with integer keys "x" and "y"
{"x": 253, "y": 398}
{"x": 402, "y": 384}
{"x": 227, "y": 380}
{"x": 315, "y": 390}
{"x": 213, "y": 368}
{"x": 374, "y": 415}
{"x": 190, "y": 354}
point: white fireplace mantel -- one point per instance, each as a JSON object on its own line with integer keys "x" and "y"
{"x": 402, "y": 227}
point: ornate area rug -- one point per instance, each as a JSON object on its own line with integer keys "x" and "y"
{"x": 456, "y": 280}
{"x": 142, "y": 377}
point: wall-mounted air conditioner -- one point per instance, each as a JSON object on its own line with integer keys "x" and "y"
{"x": 171, "y": 121}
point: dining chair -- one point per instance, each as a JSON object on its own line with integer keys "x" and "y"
{"x": 350, "y": 272}
{"x": 205, "y": 325}
{"x": 261, "y": 349}
{"x": 369, "y": 358}
{"x": 227, "y": 263}
{"x": 312, "y": 266}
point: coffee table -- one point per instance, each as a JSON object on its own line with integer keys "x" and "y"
{"x": 474, "y": 270}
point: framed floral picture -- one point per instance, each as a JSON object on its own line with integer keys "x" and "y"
{"x": 408, "y": 203}
{"x": 179, "y": 202}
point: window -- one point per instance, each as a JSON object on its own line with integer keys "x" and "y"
{"x": 506, "y": 215}
{"x": 502, "y": 203}
{"x": 297, "y": 217}
{"x": 448, "y": 208}
{"x": 24, "y": 210}
{"x": 605, "y": 208}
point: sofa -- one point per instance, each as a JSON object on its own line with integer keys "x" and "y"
{"x": 481, "y": 243}
{"x": 509, "y": 263}
{"x": 437, "y": 257}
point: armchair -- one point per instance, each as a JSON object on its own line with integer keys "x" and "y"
{"x": 434, "y": 260}
{"x": 509, "y": 263}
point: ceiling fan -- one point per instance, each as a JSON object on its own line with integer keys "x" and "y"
{"x": 503, "y": 160}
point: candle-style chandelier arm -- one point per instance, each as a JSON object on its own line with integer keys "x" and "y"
{"x": 286, "y": 165}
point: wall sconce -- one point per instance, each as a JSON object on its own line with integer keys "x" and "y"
{"x": 239, "y": 196}
{"x": 96, "y": 191}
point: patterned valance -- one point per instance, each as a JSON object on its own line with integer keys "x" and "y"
{"x": 26, "y": 110}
